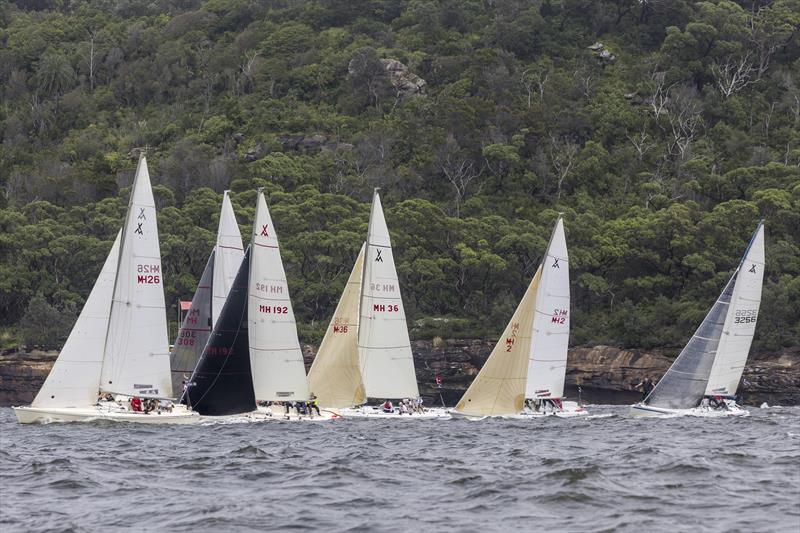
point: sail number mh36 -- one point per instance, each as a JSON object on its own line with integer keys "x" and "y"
{"x": 148, "y": 274}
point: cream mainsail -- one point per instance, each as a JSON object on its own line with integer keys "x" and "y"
{"x": 740, "y": 321}
{"x": 137, "y": 359}
{"x": 335, "y": 377}
{"x": 275, "y": 356}
{"x": 228, "y": 254}
{"x": 75, "y": 377}
{"x": 386, "y": 361}
{"x": 548, "y": 356}
{"x": 499, "y": 387}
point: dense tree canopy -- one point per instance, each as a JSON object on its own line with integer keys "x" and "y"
{"x": 663, "y": 145}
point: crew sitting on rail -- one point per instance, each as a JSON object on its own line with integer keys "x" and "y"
{"x": 313, "y": 405}
{"x": 388, "y": 407}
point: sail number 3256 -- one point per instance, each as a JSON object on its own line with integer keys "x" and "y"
{"x": 745, "y": 316}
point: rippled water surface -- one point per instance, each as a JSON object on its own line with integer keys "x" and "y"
{"x": 598, "y": 474}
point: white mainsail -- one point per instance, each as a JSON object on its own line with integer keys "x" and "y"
{"x": 276, "y": 359}
{"x": 136, "y": 361}
{"x": 387, "y": 365}
{"x": 548, "y": 356}
{"x": 499, "y": 387}
{"x": 335, "y": 377}
{"x": 75, "y": 377}
{"x": 740, "y": 321}
{"x": 228, "y": 254}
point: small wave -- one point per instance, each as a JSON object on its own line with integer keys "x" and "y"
{"x": 574, "y": 474}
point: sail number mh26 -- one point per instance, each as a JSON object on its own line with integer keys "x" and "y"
{"x": 148, "y": 274}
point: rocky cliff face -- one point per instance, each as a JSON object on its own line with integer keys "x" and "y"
{"x": 604, "y": 373}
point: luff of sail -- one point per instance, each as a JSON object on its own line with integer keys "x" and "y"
{"x": 229, "y": 252}
{"x": 550, "y": 339}
{"x": 275, "y": 355}
{"x": 75, "y": 377}
{"x": 740, "y": 322}
{"x": 499, "y": 387}
{"x": 386, "y": 361}
{"x": 194, "y": 332}
{"x": 222, "y": 383}
{"x": 335, "y": 377}
{"x": 683, "y": 385}
{"x": 136, "y": 361}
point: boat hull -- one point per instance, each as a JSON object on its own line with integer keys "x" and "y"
{"x": 46, "y": 415}
{"x": 279, "y": 413}
{"x": 569, "y": 410}
{"x": 371, "y": 413}
{"x": 641, "y": 410}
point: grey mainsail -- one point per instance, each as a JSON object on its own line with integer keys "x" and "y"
{"x": 683, "y": 385}
{"x": 194, "y": 332}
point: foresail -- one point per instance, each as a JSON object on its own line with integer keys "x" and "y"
{"x": 194, "y": 332}
{"x": 222, "y": 383}
{"x": 229, "y": 253}
{"x": 683, "y": 385}
{"x": 387, "y": 364}
{"x": 499, "y": 387}
{"x": 75, "y": 377}
{"x": 547, "y": 365}
{"x": 275, "y": 355}
{"x": 335, "y": 377}
{"x": 136, "y": 361}
{"x": 740, "y": 322}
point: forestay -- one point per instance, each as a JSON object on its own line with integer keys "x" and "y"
{"x": 194, "y": 332}
{"x": 229, "y": 253}
{"x": 75, "y": 377}
{"x": 222, "y": 383}
{"x": 335, "y": 377}
{"x": 387, "y": 365}
{"x": 499, "y": 388}
{"x": 683, "y": 385}
{"x": 136, "y": 359}
{"x": 275, "y": 355}
{"x": 740, "y": 322}
{"x": 550, "y": 339}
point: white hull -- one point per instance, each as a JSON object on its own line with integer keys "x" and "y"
{"x": 372, "y": 412}
{"x": 118, "y": 413}
{"x": 641, "y": 410}
{"x": 278, "y": 412}
{"x": 569, "y": 410}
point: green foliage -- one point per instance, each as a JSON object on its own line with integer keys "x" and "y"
{"x": 663, "y": 159}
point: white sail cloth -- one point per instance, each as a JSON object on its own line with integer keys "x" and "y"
{"x": 228, "y": 252}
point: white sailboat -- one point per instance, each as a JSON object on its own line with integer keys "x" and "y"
{"x": 209, "y": 297}
{"x": 705, "y": 376}
{"x": 118, "y": 345}
{"x": 524, "y": 375}
{"x": 384, "y": 348}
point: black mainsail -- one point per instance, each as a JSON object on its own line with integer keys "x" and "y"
{"x": 222, "y": 383}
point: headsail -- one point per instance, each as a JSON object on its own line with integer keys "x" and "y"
{"x": 499, "y": 387}
{"x": 75, "y": 377}
{"x": 740, "y": 322}
{"x": 550, "y": 340}
{"x": 194, "y": 332}
{"x": 275, "y": 355}
{"x": 683, "y": 385}
{"x": 229, "y": 252}
{"x": 335, "y": 377}
{"x": 387, "y": 364}
{"x": 136, "y": 359}
{"x": 222, "y": 383}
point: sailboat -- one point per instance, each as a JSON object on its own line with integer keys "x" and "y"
{"x": 705, "y": 376}
{"x": 524, "y": 375}
{"x": 209, "y": 298}
{"x": 385, "y": 361}
{"x": 118, "y": 346}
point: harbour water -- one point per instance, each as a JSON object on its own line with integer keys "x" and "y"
{"x": 607, "y": 472}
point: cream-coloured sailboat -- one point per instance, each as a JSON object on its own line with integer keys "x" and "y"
{"x": 276, "y": 359}
{"x": 380, "y": 343}
{"x": 705, "y": 376}
{"x": 118, "y": 345}
{"x": 524, "y": 375}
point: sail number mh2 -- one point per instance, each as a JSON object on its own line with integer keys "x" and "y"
{"x": 148, "y": 274}
{"x": 559, "y": 316}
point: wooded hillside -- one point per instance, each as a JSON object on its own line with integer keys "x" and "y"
{"x": 663, "y": 129}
